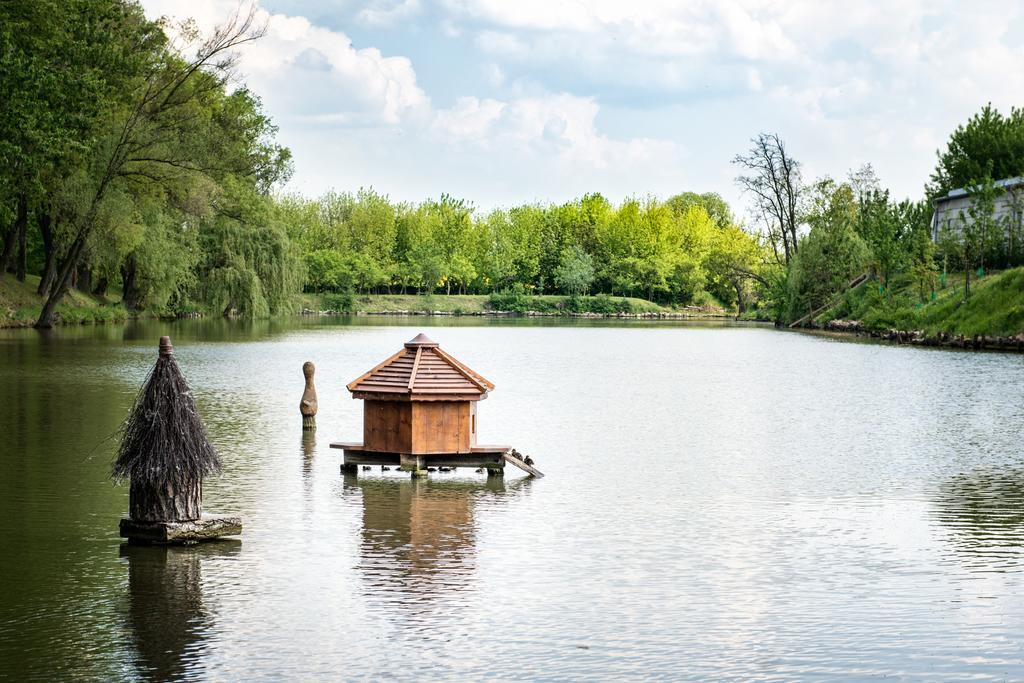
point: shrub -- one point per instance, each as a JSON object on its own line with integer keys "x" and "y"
{"x": 342, "y": 302}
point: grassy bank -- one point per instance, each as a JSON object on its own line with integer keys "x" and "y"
{"x": 20, "y": 305}
{"x": 995, "y": 307}
{"x": 479, "y": 304}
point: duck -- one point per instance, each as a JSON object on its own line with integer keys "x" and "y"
{"x": 366, "y": 468}
{"x": 528, "y": 460}
{"x": 431, "y": 469}
{"x": 385, "y": 468}
{"x": 479, "y": 470}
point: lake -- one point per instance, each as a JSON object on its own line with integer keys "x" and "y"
{"x": 721, "y": 502}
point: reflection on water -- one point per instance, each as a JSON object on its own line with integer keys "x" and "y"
{"x": 983, "y": 512}
{"x": 168, "y": 619}
{"x": 308, "y": 453}
{"x": 418, "y": 537}
{"x": 721, "y": 503}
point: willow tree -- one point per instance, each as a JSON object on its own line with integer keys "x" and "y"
{"x": 147, "y": 123}
{"x": 249, "y": 266}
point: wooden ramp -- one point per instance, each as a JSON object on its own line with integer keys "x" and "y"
{"x": 529, "y": 469}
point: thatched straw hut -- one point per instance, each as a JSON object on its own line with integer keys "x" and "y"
{"x": 165, "y": 452}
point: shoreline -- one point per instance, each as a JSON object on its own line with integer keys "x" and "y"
{"x": 837, "y": 328}
{"x": 696, "y": 314}
{"x": 946, "y": 340}
{"x": 15, "y": 324}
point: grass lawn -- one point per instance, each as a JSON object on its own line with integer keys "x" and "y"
{"x": 20, "y": 305}
{"x": 466, "y": 304}
{"x": 995, "y": 307}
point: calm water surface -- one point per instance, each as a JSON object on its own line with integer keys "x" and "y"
{"x": 721, "y": 502}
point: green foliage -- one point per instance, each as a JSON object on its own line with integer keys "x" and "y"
{"x": 832, "y": 253}
{"x": 967, "y": 240}
{"x": 995, "y": 308}
{"x": 342, "y": 302}
{"x": 712, "y": 203}
{"x": 515, "y": 299}
{"x": 658, "y": 250}
{"x": 252, "y": 269}
{"x": 576, "y": 271}
{"x": 988, "y": 145}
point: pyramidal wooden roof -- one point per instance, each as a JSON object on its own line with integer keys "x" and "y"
{"x": 421, "y": 371}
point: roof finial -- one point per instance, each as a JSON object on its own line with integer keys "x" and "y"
{"x": 420, "y": 341}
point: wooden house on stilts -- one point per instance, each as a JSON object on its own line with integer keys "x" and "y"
{"x": 420, "y": 411}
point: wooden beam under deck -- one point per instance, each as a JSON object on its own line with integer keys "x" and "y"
{"x": 491, "y": 457}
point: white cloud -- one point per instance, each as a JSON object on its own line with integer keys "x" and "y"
{"x": 388, "y": 12}
{"x": 348, "y": 111}
{"x": 613, "y": 95}
{"x": 558, "y": 127}
{"x": 313, "y": 73}
{"x": 494, "y": 74}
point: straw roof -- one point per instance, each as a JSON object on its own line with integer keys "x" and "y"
{"x": 163, "y": 439}
{"x": 421, "y": 371}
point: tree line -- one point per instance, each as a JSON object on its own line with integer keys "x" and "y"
{"x": 823, "y": 234}
{"x": 132, "y": 160}
{"x": 128, "y": 157}
{"x": 685, "y": 250}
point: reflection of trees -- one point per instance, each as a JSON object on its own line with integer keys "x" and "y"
{"x": 984, "y": 512}
{"x": 166, "y": 614}
{"x": 419, "y": 536}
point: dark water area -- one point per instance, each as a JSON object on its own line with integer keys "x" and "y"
{"x": 721, "y": 502}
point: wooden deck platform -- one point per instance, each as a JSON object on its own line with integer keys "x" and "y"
{"x": 492, "y": 458}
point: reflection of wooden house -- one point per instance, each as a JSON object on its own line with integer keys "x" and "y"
{"x": 420, "y": 408}
{"x": 418, "y": 536}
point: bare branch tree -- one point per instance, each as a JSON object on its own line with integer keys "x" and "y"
{"x": 772, "y": 178}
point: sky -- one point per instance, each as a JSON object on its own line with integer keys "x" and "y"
{"x": 504, "y": 102}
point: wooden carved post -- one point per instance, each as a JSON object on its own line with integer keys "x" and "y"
{"x": 308, "y": 405}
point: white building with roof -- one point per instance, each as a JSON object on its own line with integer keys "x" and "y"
{"x": 1008, "y": 206}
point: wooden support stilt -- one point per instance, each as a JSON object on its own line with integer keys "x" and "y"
{"x": 415, "y": 465}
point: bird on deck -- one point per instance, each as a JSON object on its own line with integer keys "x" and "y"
{"x": 516, "y": 454}
{"x": 385, "y": 468}
{"x": 366, "y": 468}
{"x": 528, "y": 460}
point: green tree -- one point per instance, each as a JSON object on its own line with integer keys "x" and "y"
{"x": 831, "y": 254}
{"x": 146, "y": 125}
{"x": 576, "y": 271}
{"x": 988, "y": 145}
{"x": 967, "y": 239}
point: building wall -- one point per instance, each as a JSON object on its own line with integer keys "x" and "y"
{"x": 947, "y": 211}
{"x": 387, "y": 426}
{"x": 442, "y": 426}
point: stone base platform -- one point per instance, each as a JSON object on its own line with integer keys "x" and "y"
{"x": 207, "y": 528}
